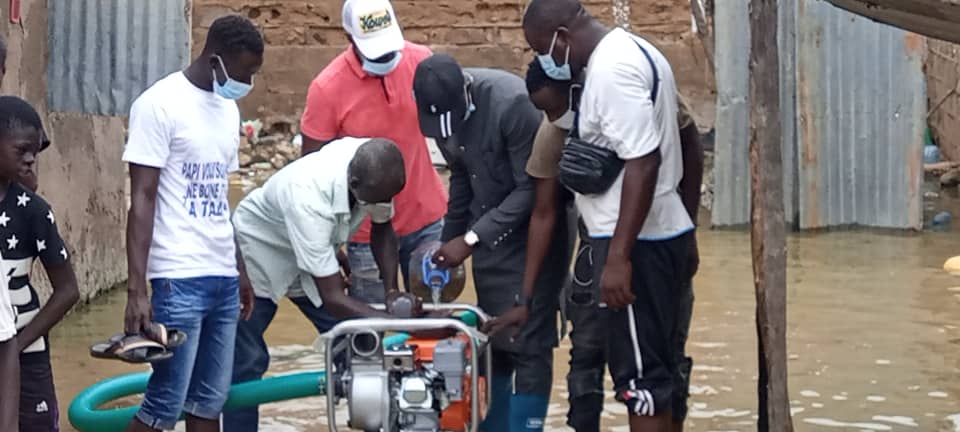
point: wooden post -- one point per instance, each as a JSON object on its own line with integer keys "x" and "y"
{"x": 701, "y": 15}
{"x": 768, "y": 228}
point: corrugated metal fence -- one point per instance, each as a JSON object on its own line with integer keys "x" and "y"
{"x": 854, "y": 106}
{"x": 104, "y": 53}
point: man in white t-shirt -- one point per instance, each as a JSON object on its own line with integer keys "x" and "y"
{"x": 639, "y": 227}
{"x": 184, "y": 138}
{"x": 9, "y": 357}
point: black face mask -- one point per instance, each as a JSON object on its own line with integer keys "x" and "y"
{"x": 386, "y": 58}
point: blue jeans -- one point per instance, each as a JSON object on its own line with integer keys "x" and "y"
{"x": 365, "y": 279}
{"x": 197, "y": 379}
{"x": 251, "y": 358}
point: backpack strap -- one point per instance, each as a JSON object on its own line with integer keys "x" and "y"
{"x": 575, "y": 131}
{"x": 653, "y": 67}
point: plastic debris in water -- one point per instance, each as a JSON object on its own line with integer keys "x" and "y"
{"x": 900, "y": 420}
{"x": 839, "y": 424}
{"x": 931, "y": 154}
{"x": 942, "y": 218}
{"x": 953, "y": 266}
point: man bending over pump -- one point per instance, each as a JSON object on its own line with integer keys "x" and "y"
{"x": 289, "y": 230}
{"x": 289, "y": 235}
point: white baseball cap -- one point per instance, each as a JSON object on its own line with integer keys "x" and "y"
{"x": 373, "y": 26}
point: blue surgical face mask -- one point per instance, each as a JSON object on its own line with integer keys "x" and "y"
{"x": 549, "y": 65}
{"x": 381, "y": 69}
{"x": 230, "y": 89}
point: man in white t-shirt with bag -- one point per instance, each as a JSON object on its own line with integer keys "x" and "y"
{"x": 639, "y": 227}
{"x": 184, "y": 138}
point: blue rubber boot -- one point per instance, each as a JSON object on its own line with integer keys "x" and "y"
{"x": 528, "y": 412}
{"x": 498, "y": 413}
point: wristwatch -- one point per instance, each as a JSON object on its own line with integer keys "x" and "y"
{"x": 471, "y": 238}
{"x": 520, "y": 299}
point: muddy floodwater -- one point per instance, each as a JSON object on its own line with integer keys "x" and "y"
{"x": 873, "y": 339}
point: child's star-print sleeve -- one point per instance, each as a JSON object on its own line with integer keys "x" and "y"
{"x": 49, "y": 246}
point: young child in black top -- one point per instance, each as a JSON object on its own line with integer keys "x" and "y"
{"x": 9, "y": 355}
{"x": 28, "y": 231}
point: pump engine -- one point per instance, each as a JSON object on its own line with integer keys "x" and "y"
{"x": 418, "y": 385}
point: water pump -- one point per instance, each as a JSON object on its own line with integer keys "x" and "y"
{"x": 422, "y": 384}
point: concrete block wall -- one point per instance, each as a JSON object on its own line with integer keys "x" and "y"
{"x": 303, "y": 36}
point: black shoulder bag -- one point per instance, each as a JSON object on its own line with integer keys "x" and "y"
{"x": 588, "y": 169}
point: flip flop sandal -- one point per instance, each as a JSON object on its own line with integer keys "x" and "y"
{"x": 166, "y": 337}
{"x": 105, "y": 350}
{"x": 131, "y": 349}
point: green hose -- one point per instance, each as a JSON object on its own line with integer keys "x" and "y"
{"x": 86, "y": 417}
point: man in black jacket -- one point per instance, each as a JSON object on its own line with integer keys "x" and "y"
{"x": 484, "y": 124}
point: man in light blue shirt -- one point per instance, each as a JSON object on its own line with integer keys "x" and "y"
{"x": 289, "y": 235}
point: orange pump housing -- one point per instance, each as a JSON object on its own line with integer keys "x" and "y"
{"x": 457, "y": 415}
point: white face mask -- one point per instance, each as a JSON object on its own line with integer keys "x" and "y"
{"x": 380, "y": 213}
{"x": 565, "y": 121}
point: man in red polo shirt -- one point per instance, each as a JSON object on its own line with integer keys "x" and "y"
{"x": 367, "y": 91}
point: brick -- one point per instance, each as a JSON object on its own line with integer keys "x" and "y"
{"x": 601, "y": 10}
{"x": 492, "y": 56}
{"x": 273, "y": 12}
{"x": 511, "y": 37}
{"x": 303, "y": 35}
{"x": 205, "y": 15}
{"x": 453, "y": 36}
{"x": 453, "y": 12}
{"x": 282, "y": 84}
{"x": 327, "y": 36}
{"x": 284, "y": 36}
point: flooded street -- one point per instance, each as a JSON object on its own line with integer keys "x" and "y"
{"x": 873, "y": 339}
